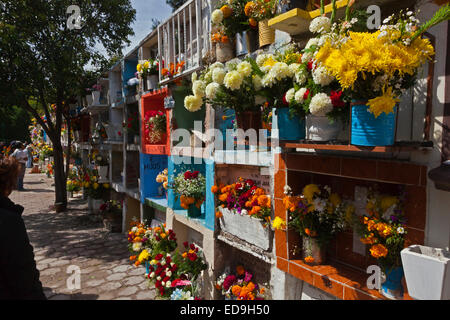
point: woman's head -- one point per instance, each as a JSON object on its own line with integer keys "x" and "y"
{"x": 9, "y": 170}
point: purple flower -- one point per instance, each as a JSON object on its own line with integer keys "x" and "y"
{"x": 248, "y": 277}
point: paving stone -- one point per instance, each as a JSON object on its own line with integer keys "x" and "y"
{"x": 50, "y": 271}
{"x": 110, "y": 286}
{"x": 122, "y": 268}
{"x": 95, "y": 283}
{"x": 116, "y": 276}
{"x": 131, "y": 281}
{"x": 146, "y": 295}
{"x": 127, "y": 291}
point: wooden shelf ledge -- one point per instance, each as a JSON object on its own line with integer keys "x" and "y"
{"x": 336, "y": 279}
{"x": 406, "y": 146}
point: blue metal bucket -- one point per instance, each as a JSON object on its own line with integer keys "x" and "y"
{"x": 392, "y": 288}
{"x": 370, "y": 131}
{"x": 290, "y": 128}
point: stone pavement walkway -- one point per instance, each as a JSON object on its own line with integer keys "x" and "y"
{"x": 73, "y": 238}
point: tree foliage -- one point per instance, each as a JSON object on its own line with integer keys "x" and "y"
{"x": 43, "y": 59}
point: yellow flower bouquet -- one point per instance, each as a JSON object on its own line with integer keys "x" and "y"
{"x": 379, "y": 66}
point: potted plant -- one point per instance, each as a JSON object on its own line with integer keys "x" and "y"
{"x": 163, "y": 178}
{"x": 240, "y": 285}
{"x": 227, "y": 21}
{"x": 317, "y": 215}
{"x": 173, "y": 273}
{"x": 383, "y": 230}
{"x": 155, "y": 127}
{"x": 112, "y": 215}
{"x": 277, "y": 73}
{"x": 131, "y": 126}
{"x": 148, "y": 71}
{"x": 190, "y": 188}
{"x": 261, "y": 11}
{"x": 375, "y": 68}
{"x": 231, "y": 86}
{"x": 102, "y": 166}
{"x": 244, "y": 210}
{"x": 427, "y": 272}
{"x": 95, "y": 190}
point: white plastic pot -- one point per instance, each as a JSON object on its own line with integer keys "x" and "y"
{"x": 321, "y": 129}
{"x": 427, "y": 272}
{"x": 246, "y": 228}
{"x": 152, "y": 82}
{"x": 96, "y": 97}
{"x": 103, "y": 174}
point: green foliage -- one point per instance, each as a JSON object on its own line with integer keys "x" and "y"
{"x": 14, "y": 124}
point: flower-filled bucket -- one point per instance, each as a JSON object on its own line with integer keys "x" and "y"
{"x": 266, "y": 33}
{"x": 194, "y": 211}
{"x": 225, "y": 51}
{"x": 321, "y": 129}
{"x": 313, "y": 254}
{"x": 151, "y": 82}
{"x": 366, "y": 130}
{"x": 392, "y": 287}
{"x": 290, "y": 128}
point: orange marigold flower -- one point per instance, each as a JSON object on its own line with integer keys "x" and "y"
{"x": 255, "y": 210}
{"x": 223, "y": 197}
{"x": 219, "y": 214}
{"x": 224, "y": 39}
{"x": 236, "y": 290}
{"x": 309, "y": 259}
{"x": 378, "y": 251}
{"x": 249, "y": 7}
{"x": 227, "y": 11}
{"x": 132, "y": 258}
{"x": 214, "y": 189}
{"x": 240, "y": 270}
{"x": 252, "y": 22}
{"x": 184, "y": 255}
{"x": 264, "y": 201}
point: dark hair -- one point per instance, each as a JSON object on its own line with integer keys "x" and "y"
{"x": 9, "y": 171}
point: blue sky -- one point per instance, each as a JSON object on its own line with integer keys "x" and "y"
{"x": 145, "y": 11}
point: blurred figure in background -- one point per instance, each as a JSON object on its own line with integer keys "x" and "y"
{"x": 30, "y": 155}
{"x": 21, "y": 155}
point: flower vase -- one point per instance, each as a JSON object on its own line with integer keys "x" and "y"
{"x": 266, "y": 34}
{"x": 194, "y": 212}
{"x": 249, "y": 120}
{"x": 321, "y": 129}
{"x": 251, "y": 39}
{"x": 103, "y": 174}
{"x": 224, "y": 51}
{"x": 95, "y": 97}
{"x": 313, "y": 254}
{"x": 392, "y": 287}
{"x": 290, "y": 129}
{"x": 366, "y": 130}
{"x": 151, "y": 82}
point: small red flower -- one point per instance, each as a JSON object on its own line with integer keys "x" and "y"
{"x": 187, "y": 175}
{"x": 310, "y": 65}
{"x": 336, "y": 99}
{"x": 306, "y": 95}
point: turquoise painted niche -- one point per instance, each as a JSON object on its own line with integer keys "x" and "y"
{"x": 177, "y": 165}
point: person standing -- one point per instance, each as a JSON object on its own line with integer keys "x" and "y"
{"x": 19, "y": 277}
{"x": 30, "y": 156}
{"x": 21, "y": 155}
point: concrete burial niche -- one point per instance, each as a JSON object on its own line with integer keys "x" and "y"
{"x": 151, "y": 166}
{"x": 427, "y": 272}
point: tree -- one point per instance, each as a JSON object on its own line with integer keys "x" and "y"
{"x": 175, "y": 4}
{"x": 43, "y": 55}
